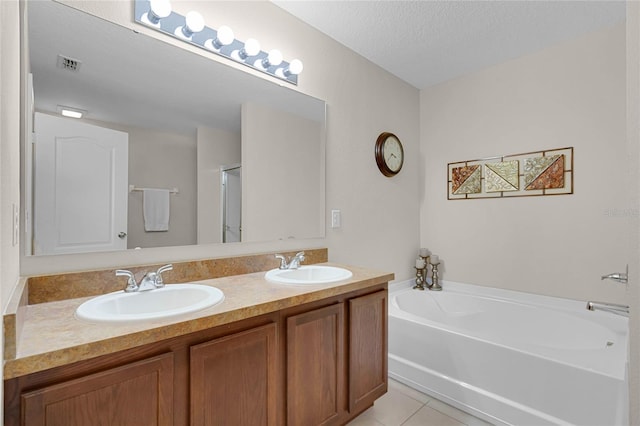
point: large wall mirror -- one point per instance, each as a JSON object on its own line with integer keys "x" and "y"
{"x": 240, "y": 158}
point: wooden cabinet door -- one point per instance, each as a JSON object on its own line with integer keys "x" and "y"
{"x": 367, "y": 350}
{"x": 135, "y": 394}
{"x": 233, "y": 379}
{"x": 315, "y": 367}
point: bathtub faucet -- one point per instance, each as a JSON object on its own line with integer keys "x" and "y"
{"x": 621, "y": 277}
{"x": 613, "y": 308}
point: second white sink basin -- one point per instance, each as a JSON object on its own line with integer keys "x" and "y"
{"x": 308, "y": 275}
{"x": 168, "y": 301}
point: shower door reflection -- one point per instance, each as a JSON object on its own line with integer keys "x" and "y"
{"x": 231, "y": 204}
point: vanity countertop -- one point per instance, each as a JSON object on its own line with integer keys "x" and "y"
{"x": 52, "y": 336}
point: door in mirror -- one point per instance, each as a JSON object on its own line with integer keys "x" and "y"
{"x": 81, "y": 177}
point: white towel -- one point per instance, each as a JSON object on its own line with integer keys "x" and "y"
{"x": 155, "y": 209}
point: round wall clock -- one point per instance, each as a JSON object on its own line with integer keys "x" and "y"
{"x": 389, "y": 154}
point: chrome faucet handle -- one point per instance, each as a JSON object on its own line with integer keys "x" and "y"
{"x": 295, "y": 262}
{"x": 159, "y": 282}
{"x": 131, "y": 282}
{"x": 283, "y": 261}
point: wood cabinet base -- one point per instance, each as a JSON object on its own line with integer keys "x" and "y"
{"x": 321, "y": 363}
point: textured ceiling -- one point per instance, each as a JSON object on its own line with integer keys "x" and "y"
{"x": 428, "y": 42}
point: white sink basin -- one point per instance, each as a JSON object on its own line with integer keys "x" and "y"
{"x": 307, "y": 275}
{"x": 168, "y": 301}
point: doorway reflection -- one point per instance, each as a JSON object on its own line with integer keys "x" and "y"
{"x": 231, "y": 204}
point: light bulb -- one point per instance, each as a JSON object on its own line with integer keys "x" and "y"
{"x": 194, "y": 23}
{"x": 225, "y": 36}
{"x": 274, "y": 59}
{"x": 295, "y": 67}
{"x": 251, "y": 47}
{"x": 159, "y": 9}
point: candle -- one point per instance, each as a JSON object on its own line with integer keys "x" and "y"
{"x": 434, "y": 259}
{"x": 424, "y": 252}
{"x": 419, "y": 263}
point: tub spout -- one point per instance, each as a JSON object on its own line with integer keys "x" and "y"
{"x": 613, "y": 308}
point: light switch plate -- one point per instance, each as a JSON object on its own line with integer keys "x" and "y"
{"x": 336, "y": 219}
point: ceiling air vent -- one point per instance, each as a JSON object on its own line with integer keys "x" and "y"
{"x": 68, "y": 64}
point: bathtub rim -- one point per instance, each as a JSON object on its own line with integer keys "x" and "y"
{"x": 617, "y": 324}
{"x": 509, "y": 295}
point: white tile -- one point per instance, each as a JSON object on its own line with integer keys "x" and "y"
{"x": 393, "y": 408}
{"x": 403, "y": 405}
{"x": 410, "y": 392}
{"x": 427, "y": 416}
{"x": 459, "y": 415}
{"x": 364, "y": 419}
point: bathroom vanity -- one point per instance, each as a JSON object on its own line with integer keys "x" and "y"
{"x": 270, "y": 354}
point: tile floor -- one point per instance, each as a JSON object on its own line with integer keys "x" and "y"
{"x": 403, "y": 406}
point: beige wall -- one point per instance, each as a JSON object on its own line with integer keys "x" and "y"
{"x": 9, "y": 150}
{"x": 162, "y": 160}
{"x": 216, "y": 148}
{"x": 380, "y": 215}
{"x": 633, "y": 176}
{"x": 9, "y": 144}
{"x": 283, "y": 164}
{"x": 572, "y": 94}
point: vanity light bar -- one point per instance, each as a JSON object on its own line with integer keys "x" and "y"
{"x": 157, "y": 14}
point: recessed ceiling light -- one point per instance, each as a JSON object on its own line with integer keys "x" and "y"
{"x": 71, "y": 112}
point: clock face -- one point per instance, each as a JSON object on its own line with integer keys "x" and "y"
{"x": 392, "y": 152}
{"x": 389, "y": 154}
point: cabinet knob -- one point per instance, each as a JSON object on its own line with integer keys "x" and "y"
{"x": 122, "y": 235}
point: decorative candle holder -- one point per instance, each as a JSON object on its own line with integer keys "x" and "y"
{"x": 420, "y": 279}
{"x": 435, "y": 285}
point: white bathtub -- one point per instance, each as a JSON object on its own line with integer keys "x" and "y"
{"x": 510, "y": 357}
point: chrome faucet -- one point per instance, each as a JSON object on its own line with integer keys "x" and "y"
{"x": 621, "y": 277}
{"x": 613, "y": 308}
{"x": 150, "y": 281}
{"x": 293, "y": 263}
